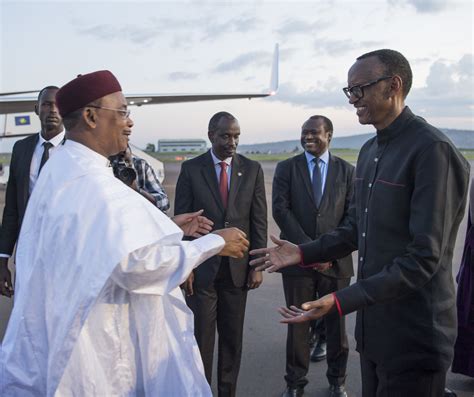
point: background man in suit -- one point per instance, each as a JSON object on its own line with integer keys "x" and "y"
{"x": 311, "y": 196}
{"x": 28, "y": 157}
{"x": 230, "y": 188}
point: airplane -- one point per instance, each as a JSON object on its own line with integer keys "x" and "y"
{"x": 11, "y": 102}
{"x": 15, "y": 102}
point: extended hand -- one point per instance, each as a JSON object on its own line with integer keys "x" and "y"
{"x": 254, "y": 279}
{"x": 310, "y": 310}
{"x": 193, "y": 224}
{"x": 6, "y": 286}
{"x": 274, "y": 258}
{"x": 236, "y": 243}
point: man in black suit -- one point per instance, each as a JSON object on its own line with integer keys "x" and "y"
{"x": 230, "y": 188}
{"x": 28, "y": 157}
{"x": 311, "y": 196}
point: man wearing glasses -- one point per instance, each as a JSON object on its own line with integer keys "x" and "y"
{"x": 410, "y": 193}
{"x": 100, "y": 312}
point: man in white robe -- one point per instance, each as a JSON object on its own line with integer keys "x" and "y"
{"x": 98, "y": 310}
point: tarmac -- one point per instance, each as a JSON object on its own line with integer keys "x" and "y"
{"x": 263, "y": 359}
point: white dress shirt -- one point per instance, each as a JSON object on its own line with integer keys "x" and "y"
{"x": 38, "y": 153}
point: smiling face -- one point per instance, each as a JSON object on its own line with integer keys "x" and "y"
{"x": 377, "y": 105}
{"x": 47, "y": 111}
{"x": 225, "y": 138}
{"x": 314, "y": 137}
{"x": 113, "y": 127}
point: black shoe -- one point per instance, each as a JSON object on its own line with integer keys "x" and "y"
{"x": 449, "y": 393}
{"x": 337, "y": 391}
{"x": 319, "y": 352}
{"x": 293, "y": 392}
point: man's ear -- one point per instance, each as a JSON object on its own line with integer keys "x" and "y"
{"x": 396, "y": 86}
{"x": 90, "y": 117}
{"x": 36, "y": 110}
{"x": 210, "y": 135}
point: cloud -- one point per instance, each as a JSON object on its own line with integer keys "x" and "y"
{"x": 213, "y": 29}
{"x": 333, "y": 47}
{"x": 449, "y": 89}
{"x": 203, "y": 28}
{"x": 448, "y": 92}
{"x": 255, "y": 58}
{"x": 182, "y": 76}
{"x": 299, "y": 26}
{"x": 330, "y": 95}
{"x": 138, "y": 35}
{"x": 423, "y": 6}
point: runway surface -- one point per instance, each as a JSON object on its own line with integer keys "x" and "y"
{"x": 263, "y": 360}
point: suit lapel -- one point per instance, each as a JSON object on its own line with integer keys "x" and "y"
{"x": 209, "y": 173}
{"x": 302, "y": 166}
{"x": 235, "y": 179}
{"x": 28, "y": 157}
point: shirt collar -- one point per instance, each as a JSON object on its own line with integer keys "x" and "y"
{"x": 85, "y": 152}
{"x": 324, "y": 157}
{"x": 396, "y": 127}
{"x": 55, "y": 141}
{"x": 217, "y": 161}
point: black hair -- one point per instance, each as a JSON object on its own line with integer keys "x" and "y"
{"x": 395, "y": 64}
{"x": 49, "y": 87}
{"x": 327, "y": 123}
{"x": 214, "y": 121}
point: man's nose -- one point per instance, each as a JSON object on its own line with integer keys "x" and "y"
{"x": 353, "y": 99}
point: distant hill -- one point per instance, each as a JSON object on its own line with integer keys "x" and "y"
{"x": 463, "y": 139}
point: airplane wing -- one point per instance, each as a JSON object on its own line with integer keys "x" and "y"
{"x": 11, "y": 103}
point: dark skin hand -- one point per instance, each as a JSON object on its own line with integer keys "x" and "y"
{"x": 254, "y": 279}
{"x": 309, "y": 311}
{"x": 283, "y": 254}
{"x": 188, "y": 285}
{"x": 193, "y": 224}
{"x": 6, "y": 286}
{"x": 236, "y": 243}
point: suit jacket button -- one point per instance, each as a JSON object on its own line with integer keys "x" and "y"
{"x": 226, "y": 224}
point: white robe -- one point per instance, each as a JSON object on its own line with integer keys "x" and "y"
{"x": 98, "y": 310}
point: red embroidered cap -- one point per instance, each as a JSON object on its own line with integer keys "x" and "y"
{"x": 84, "y": 89}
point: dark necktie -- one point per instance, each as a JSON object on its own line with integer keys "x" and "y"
{"x": 223, "y": 183}
{"x": 45, "y": 156}
{"x": 317, "y": 183}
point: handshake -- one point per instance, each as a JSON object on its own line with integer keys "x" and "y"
{"x": 195, "y": 225}
{"x": 236, "y": 243}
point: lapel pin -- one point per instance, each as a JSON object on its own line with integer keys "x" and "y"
{"x": 239, "y": 174}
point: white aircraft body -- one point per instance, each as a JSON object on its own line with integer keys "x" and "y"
{"x": 14, "y": 103}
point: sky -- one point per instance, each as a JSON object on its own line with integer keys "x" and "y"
{"x": 226, "y": 47}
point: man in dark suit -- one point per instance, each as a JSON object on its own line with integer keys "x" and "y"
{"x": 28, "y": 157}
{"x": 311, "y": 196}
{"x": 230, "y": 188}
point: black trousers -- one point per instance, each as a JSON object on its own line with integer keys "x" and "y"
{"x": 223, "y": 305}
{"x": 376, "y": 382}
{"x": 301, "y": 289}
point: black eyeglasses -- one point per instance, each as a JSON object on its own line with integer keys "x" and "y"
{"x": 358, "y": 90}
{"x": 124, "y": 113}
